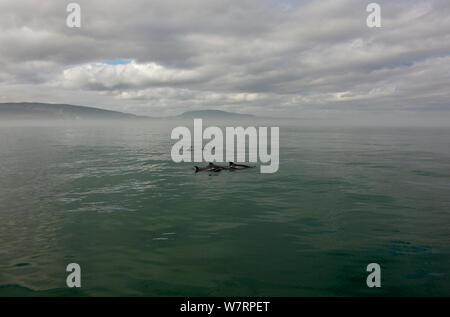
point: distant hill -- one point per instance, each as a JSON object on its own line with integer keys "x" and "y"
{"x": 47, "y": 111}
{"x": 214, "y": 114}
{"x": 32, "y": 110}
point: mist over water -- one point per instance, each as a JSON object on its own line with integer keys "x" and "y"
{"x": 108, "y": 196}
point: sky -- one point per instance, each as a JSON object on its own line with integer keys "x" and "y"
{"x": 273, "y": 58}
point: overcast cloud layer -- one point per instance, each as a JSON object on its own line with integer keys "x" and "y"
{"x": 277, "y": 58}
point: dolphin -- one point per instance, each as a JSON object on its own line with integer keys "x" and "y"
{"x": 191, "y": 148}
{"x": 210, "y": 168}
{"x": 234, "y": 166}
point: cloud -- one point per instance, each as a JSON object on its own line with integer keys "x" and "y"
{"x": 260, "y": 56}
{"x": 107, "y": 76}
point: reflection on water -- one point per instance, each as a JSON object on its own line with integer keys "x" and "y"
{"x": 111, "y": 199}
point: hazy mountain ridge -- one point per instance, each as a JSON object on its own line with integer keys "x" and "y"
{"x": 46, "y": 111}
{"x": 36, "y": 110}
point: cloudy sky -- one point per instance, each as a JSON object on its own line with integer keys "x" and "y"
{"x": 263, "y": 57}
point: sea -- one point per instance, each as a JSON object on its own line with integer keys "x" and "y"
{"x": 109, "y": 197}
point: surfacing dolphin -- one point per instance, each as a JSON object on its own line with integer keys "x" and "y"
{"x": 191, "y": 148}
{"x": 209, "y": 168}
{"x": 234, "y": 166}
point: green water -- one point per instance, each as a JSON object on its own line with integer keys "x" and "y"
{"x": 110, "y": 199}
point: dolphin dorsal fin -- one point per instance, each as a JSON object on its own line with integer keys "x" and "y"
{"x": 231, "y": 163}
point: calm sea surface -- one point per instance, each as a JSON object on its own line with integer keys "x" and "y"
{"x": 110, "y": 198}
